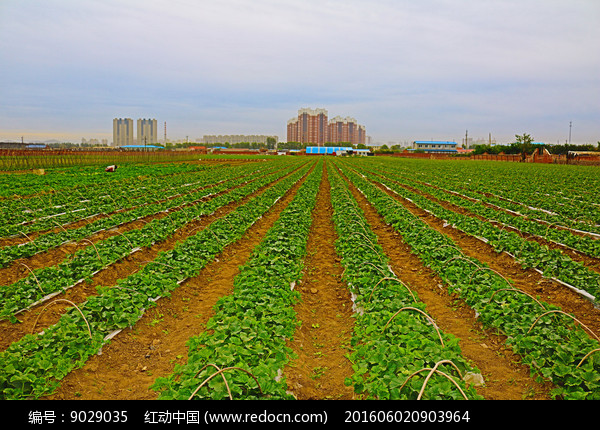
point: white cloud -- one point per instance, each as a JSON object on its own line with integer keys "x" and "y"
{"x": 400, "y": 67}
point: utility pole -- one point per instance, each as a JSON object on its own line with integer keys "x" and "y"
{"x": 570, "y": 124}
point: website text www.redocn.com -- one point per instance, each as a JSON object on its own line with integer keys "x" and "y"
{"x": 196, "y": 417}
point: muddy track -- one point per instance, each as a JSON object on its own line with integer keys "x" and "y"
{"x": 528, "y": 280}
{"x": 45, "y": 315}
{"x": 325, "y": 310}
{"x": 131, "y": 362}
{"x": 505, "y": 378}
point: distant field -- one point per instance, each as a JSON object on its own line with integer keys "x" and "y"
{"x": 23, "y": 160}
{"x": 299, "y": 278}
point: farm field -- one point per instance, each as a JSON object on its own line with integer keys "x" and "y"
{"x": 334, "y": 278}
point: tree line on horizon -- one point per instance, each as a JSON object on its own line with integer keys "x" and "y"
{"x": 524, "y": 144}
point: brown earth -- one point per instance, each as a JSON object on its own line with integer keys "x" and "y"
{"x": 44, "y": 315}
{"x": 129, "y": 365}
{"x": 505, "y": 378}
{"x": 530, "y": 281}
{"x": 131, "y": 362}
{"x": 323, "y": 339}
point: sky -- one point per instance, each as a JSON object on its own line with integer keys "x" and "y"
{"x": 405, "y": 69}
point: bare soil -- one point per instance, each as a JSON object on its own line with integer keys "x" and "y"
{"x": 46, "y": 314}
{"x": 505, "y": 378}
{"x": 131, "y": 362}
{"x": 322, "y": 341}
{"x": 528, "y": 280}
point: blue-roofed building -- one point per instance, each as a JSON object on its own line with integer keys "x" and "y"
{"x": 434, "y": 146}
{"x": 327, "y": 150}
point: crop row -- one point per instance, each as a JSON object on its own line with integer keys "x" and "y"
{"x": 65, "y": 206}
{"x": 482, "y": 206}
{"x": 71, "y": 197}
{"x": 43, "y": 284}
{"x": 399, "y": 352}
{"x": 552, "y": 263}
{"x": 548, "y": 218}
{"x": 554, "y": 344}
{"x": 33, "y": 366}
{"x": 565, "y": 197}
{"x": 242, "y": 351}
{"x": 34, "y": 187}
{"x": 151, "y": 205}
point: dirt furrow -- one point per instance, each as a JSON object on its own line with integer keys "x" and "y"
{"x": 589, "y": 261}
{"x": 45, "y": 315}
{"x": 131, "y": 362}
{"x": 51, "y": 257}
{"x": 325, "y": 309}
{"x": 505, "y": 378}
{"x": 527, "y": 280}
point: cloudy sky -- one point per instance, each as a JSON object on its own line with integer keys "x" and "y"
{"x": 405, "y": 69}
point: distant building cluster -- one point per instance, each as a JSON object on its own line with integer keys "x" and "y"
{"x": 312, "y": 126}
{"x": 123, "y": 132}
{"x": 238, "y": 138}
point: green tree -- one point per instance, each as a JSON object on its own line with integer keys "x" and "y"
{"x": 524, "y": 138}
{"x": 525, "y": 142}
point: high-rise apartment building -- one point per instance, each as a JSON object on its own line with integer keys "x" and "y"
{"x": 313, "y": 127}
{"x": 309, "y": 127}
{"x": 362, "y": 135}
{"x": 147, "y": 132}
{"x": 336, "y": 129}
{"x": 122, "y": 131}
{"x": 292, "y": 130}
{"x": 346, "y": 130}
